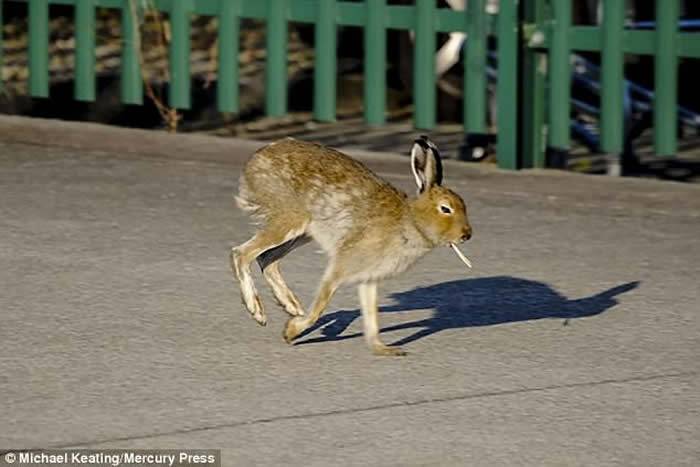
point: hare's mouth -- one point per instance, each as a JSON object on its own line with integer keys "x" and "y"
{"x": 460, "y": 255}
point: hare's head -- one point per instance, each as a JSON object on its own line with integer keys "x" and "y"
{"x": 440, "y": 212}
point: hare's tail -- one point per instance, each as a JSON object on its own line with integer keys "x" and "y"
{"x": 246, "y": 203}
{"x": 243, "y": 199}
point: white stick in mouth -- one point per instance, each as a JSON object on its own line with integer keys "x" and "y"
{"x": 461, "y": 256}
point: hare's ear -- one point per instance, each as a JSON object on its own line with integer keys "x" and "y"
{"x": 426, "y": 164}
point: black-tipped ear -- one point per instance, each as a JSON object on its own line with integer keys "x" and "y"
{"x": 426, "y": 163}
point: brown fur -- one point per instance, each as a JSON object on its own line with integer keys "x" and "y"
{"x": 370, "y": 230}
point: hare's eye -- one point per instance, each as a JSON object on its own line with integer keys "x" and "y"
{"x": 445, "y": 209}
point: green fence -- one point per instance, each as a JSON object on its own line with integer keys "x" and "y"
{"x": 526, "y": 32}
{"x": 548, "y": 33}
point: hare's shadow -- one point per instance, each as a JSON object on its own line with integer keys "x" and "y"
{"x": 474, "y": 302}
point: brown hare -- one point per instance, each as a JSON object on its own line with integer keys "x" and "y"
{"x": 299, "y": 191}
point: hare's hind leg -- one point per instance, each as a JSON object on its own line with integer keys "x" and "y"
{"x": 249, "y": 294}
{"x": 243, "y": 255}
{"x": 269, "y": 264}
{"x": 370, "y": 320}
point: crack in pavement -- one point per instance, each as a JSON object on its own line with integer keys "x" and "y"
{"x": 387, "y": 406}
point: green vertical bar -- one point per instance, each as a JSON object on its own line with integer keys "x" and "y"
{"x": 507, "y": 86}
{"x": 84, "y": 51}
{"x": 666, "y": 78}
{"x": 131, "y": 82}
{"x": 276, "y": 64}
{"x": 424, "y": 91}
{"x": 39, "y": 48}
{"x": 533, "y": 92}
{"x": 179, "y": 96}
{"x": 375, "y": 62}
{"x": 612, "y": 80}
{"x": 227, "y": 92}
{"x": 560, "y": 76}
{"x": 325, "y": 66}
{"x": 475, "y": 68}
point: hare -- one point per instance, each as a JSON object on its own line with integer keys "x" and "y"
{"x": 299, "y": 191}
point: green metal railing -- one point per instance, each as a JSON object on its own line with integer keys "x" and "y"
{"x": 549, "y": 35}
{"x": 535, "y": 38}
{"x": 375, "y": 16}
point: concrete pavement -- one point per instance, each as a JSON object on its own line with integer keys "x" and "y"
{"x": 573, "y": 341}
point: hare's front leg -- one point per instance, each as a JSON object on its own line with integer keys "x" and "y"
{"x": 370, "y": 320}
{"x": 329, "y": 284}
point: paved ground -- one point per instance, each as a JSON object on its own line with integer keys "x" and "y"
{"x": 573, "y": 341}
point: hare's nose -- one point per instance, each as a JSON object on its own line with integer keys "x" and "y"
{"x": 467, "y": 234}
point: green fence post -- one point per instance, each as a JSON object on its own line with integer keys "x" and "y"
{"x": 276, "y": 63}
{"x": 475, "y": 69}
{"x": 533, "y": 88}
{"x": 612, "y": 116}
{"x": 227, "y": 89}
{"x": 39, "y": 48}
{"x": 179, "y": 54}
{"x": 325, "y": 66}
{"x": 507, "y": 86}
{"x": 424, "y": 91}
{"x": 559, "y": 85}
{"x": 375, "y": 62}
{"x": 666, "y": 78}
{"x": 131, "y": 81}
{"x": 84, "y": 51}
{"x": 474, "y": 83}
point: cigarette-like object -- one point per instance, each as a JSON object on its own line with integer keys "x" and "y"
{"x": 461, "y": 256}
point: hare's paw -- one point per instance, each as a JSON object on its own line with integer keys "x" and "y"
{"x": 294, "y": 327}
{"x": 294, "y": 311}
{"x": 290, "y": 304}
{"x": 386, "y": 351}
{"x": 258, "y": 312}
